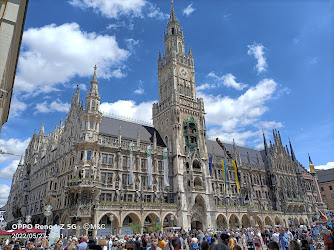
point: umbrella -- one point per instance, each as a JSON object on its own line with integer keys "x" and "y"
{"x": 4, "y": 232}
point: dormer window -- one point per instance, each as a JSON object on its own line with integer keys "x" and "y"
{"x": 172, "y": 31}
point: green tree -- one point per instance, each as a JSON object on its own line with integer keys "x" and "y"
{"x": 156, "y": 227}
{"x": 136, "y": 228}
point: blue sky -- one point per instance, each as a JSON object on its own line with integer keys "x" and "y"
{"x": 259, "y": 65}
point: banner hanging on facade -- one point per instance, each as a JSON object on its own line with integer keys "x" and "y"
{"x": 210, "y": 165}
{"x": 131, "y": 164}
{"x": 165, "y": 164}
{"x": 224, "y": 173}
{"x": 236, "y": 174}
{"x": 149, "y": 165}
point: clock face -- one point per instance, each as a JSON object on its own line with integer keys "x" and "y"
{"x": 183, "y": 72}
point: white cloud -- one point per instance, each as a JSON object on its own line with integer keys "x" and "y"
{"x": 130, "y": 109}
{"x": 228, "y": 80}
{"x": 74, "y": 52}
{"x": 313, "y": 60}
{"x": 228, "y": 118}
{"x": 115, "y": 26}
{"x": 155, "y": 12}
{"x": 16, "y": 107}
{"x": 205, "y": 86}
{"x": 82, "y": 86}
{"x": 131, "y": 43}
{"x": 7, "y": 172}
{"x": 56, "y": 105}
{"x": 4, "y": 194}
{"x": 327, "y": 166}
{"x": 269, "y": 124}
{"x": 257, "y": 51}
{"x": 139, "y": 91}
{"x": 187, "y": 11}
{"x": 14, "y": 146}
{"x": 112, "y": 8}
{"x": 117, "y": 73}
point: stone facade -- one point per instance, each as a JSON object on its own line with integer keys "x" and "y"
{"x": 82, "y": 168}
{"x": 326, "y": 185}
{"x": 12, "y": 18}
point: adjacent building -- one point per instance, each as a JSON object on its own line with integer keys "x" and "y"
{"x": 83, "y": 168}
{"x": 326, "y": 184}
{"x": 12, "y": 18}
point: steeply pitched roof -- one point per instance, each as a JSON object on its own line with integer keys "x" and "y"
{"x": 325, "y": 175}
{"x": 109, "y": 126}
{"x": 215, "y": 149}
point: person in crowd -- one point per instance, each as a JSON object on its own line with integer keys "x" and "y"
{"x": 204, "y": 245}
{"x": 194, "y": 244}
{"x": 294, "y": 245}
{"x": 168, "y": 245}
{"x": 83, "y": 245}
{"x": 231, "y": 242}
{"x": 102, "y": 243}
{"x": 162, "y": 242}
{"x": 236, "y": 247}
{"x": 272, "y": 245}
{"x": 283, "y": 241}
{"x": 176, "y": 243}
{"x": 275, "y": 236}
{"x": 154, "y": 245}
{"x": 257, "y": 240}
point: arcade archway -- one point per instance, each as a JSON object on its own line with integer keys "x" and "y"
{"x": 234, "y": 221}
{"x": 245, "y": 221}
{"x": 198, "y": 213}
{"x": 221, "y": 222}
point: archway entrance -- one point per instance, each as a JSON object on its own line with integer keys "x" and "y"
{"x": 198, "y": 213}
{"x": 197, "y": 225}
{"x": 111, "y": 223}
{"x": 234, "y": 221}
{"x": 221, "y": 222}
{"x": 245, "y": 221}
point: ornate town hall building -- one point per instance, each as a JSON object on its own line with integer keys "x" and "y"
{"x": 82, "y": 168}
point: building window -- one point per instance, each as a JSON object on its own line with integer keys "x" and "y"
{"x": 125, "y": 161}
{"x": 108, "y": 197}
{"x": 143, "y": 164}
{"x": 330, "y": 188}
{"x": 91, "y": 125}
{"x": 82, "y": 155}
{"x": 103, "y": 178}
{"x": 124, "y": 179}
{"x": 104, "y": 159}
{"x": 324, "y": 197}
{"x": 143, "y": 181}
{"x": 89, "y": 153}
{"x": 110, "y": 159}
{"x": 129, "y": 198}
{"x": 86, "y": 174}
{"x": 148, "y": 198}
{"x": 109, "y": 180}
{"x": 322, "y": 189}
{"x": 160, "y": 165}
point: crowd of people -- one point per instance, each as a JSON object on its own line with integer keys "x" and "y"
{"x": 244, "y": 239}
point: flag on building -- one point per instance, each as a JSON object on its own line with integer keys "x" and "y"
{"x": 236, "y": 174}
{"x": 323, "y": 215}
{"x": 165, "y": 164}
{"x": 224, "y": 173}
{"x": 311, "y": 165}
{"x": 149, "y": 165}
{"x": 210, "y": 165}
{"x": 131, "y": 164}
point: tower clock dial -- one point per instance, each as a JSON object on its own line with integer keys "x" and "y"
{"x": 183, "y": 72}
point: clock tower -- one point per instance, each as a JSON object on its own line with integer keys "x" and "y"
{"x": 179, "y": 118}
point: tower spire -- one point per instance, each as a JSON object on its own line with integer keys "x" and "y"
{"x": 172, "y": 13}
{"x": 265, "y": 143}
{"x": 293, "y": 157}
{"x": 94, "y": 76}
